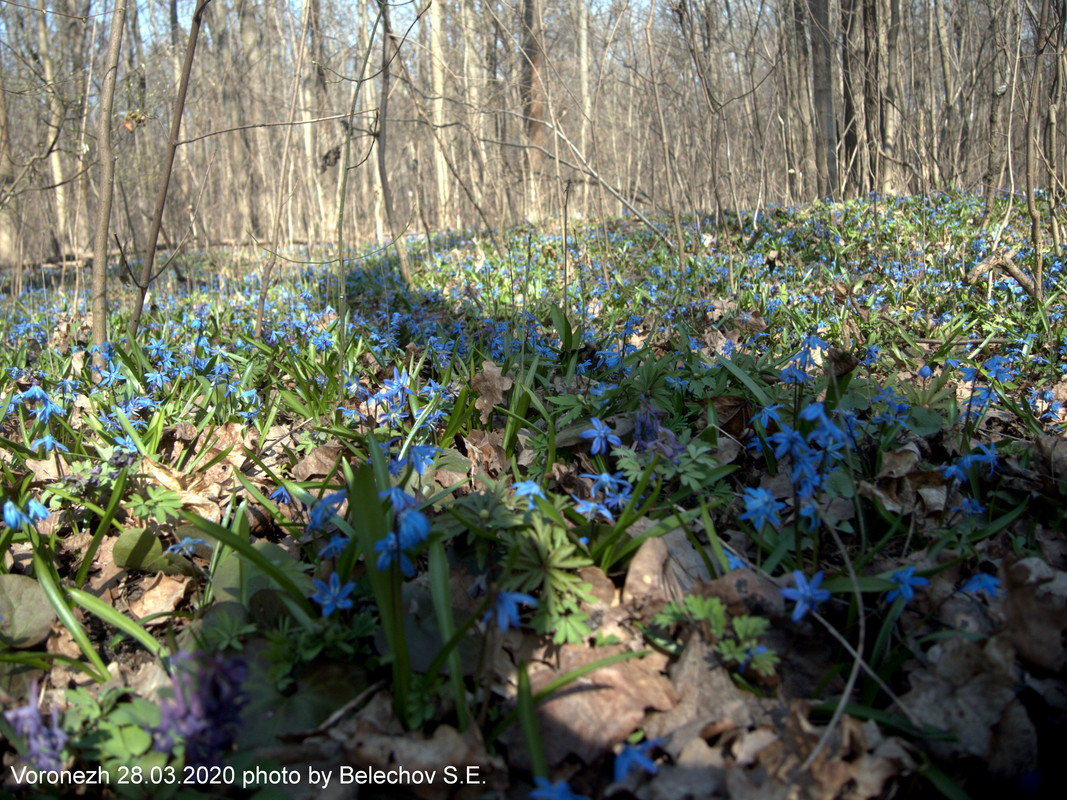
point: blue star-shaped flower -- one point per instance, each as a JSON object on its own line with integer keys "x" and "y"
{"x": 601, "y": 437}
{"x": 506, "y": 609}
{"x": 807, "y": 594}
{"x": 635, "y": 755}
{"x": 906, "y": 580}
{"x": 332, "y": 596}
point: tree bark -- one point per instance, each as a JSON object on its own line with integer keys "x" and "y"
{"x": 390, "y": 49}
{"x": 168, "y": 163}
{"x": 107, "y": 181}
{"x": 825, "y": 121}
{"x": 534, "y": 102}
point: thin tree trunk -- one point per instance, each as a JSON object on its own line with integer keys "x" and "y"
{"x": 107, "y": 181}
{"x": 390, "y": 48}
{"x": 168, "y": 165}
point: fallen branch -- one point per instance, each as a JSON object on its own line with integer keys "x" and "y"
{"x": 999, "y": 259}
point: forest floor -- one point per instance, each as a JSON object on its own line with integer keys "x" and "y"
{"x": 562, "y": 518}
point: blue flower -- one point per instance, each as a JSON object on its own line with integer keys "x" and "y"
{"x": 421, "y": 456}
{"x": 48, "y": 443}
{"x": 398, "y": 499}
{"x": 767, "y": 415}
{"x": 793, "y": 375}
{"x": 590, "y": 508}
{"x": 530, "y": 489}
{"x": 335, "y": 547}
{"x": 761, "y": 508}
{"x": 281, "y": 495}
{"x": 601, "y": 436}
{"x": 389, "y": 550}
{"x": 807, "y": 595}
{"x": 324, "y": 510}
{"x": 982, "y": 582}
{"x": 187, "y": 547}
{"x": 906, "y": 580}
{"x": 560, "y": 790}
{"x": 734, "y": 562}
{"x": 635, "y": 755}
{"x": 14, "y": 517}
{"x": 36, "y": 512}
{"x": 506, "y": 609}
{"x": 333, "y": 595}
{"x": 412, "y": 527}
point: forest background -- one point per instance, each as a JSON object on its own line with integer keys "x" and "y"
{"x": 480, "y": 113}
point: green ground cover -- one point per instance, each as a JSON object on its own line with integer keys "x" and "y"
{"x": 578, "y": 515}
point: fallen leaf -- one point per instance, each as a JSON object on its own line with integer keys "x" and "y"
{"x": 162, "y": 595}
{"x": 319, "y": 463}
{"x": 490, "y": 385}
{"x": 589, "y": 716}
{"x": 1035, "y": 607}
{"x": 969, "y": 689}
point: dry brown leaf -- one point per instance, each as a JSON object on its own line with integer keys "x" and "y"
{"x": 898, "y": 463}
{"x": 162, "y": 595}
{"x": 594, "y": 713}
{"x": 490, "y": 385}
{"x": 486, "y": 452}
{"x": 706, "y": 695}
{"x": 45, "y": 470}
{"x": 969, "y": 690}
{"x": 1035, "y": 607}
{"x": 734, "y": 413}
{"x": 319, "y": 463}
{"x": 371, "y": 746}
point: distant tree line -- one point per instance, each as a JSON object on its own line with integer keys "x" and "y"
{"x": 487, "y": 113}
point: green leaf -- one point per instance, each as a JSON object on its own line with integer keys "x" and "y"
{"x": 924, "y": 421}
{"x": 25, "y": 616}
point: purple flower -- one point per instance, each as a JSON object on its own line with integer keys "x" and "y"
{"x": 807, "y": 595}
{"x": 44, "y": 743}
{"x": 205, "y": 708}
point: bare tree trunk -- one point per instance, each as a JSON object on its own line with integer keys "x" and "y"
{"x": 390, "y": 48}
{"x": 56, "y": 114}
{"x": 998, "y": 88}
{"x": 808, "y": 172}
{"x": 872, "y": 92}
{"x": 892, "y": 175}
{"x": 264, "y": 284}
{"x": 437, "y": 78}
{"x": 582, "y": 9}
{"x": 852, "y": 83}
{"x": 8, "y": 216}
{"x": 107, "y": 181}
{"x": 147, "y": 275}
{"x": 1041, "y": 37}
{"x": 825, "y": 121}
{"x": 533, "y": 96}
